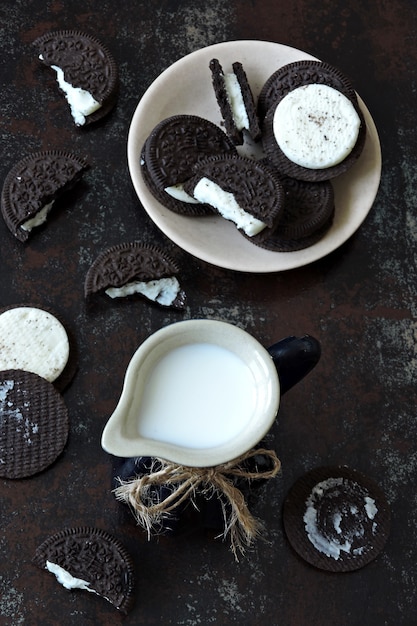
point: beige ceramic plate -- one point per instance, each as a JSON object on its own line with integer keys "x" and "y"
{"x": 185, "y": 88}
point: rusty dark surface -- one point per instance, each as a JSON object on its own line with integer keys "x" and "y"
{"x": 357, "y": 407}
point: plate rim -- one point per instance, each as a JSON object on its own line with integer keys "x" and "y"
{"x": 271, "y": 261}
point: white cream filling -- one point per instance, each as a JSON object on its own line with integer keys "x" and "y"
{"x": 33, "y": 340}
{"x": 209, "y": 192}
{"x": 178, "y": 192}
{"x": 234, "y": 95}
{"x": 164, "y": 290}
{"x": 66, "y": 579}
{"x": 38, "y": 219}
{"x": 81, "y": 102}
{"x": 316, "y": 126}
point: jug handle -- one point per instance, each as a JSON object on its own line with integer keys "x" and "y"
{"x": 294, "y": 357}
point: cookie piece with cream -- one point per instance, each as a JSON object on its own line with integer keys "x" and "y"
{"x": 235, "y": 100}
{"x": 86, "y": 72}
{"x": 136, "y": 269}
{"x": 242, "y": 191}
{"x": 314, "y": 129}
{"x": 169, "y": 154}
{"x": 90, "y": 559}
{"x": 33, "y": 185}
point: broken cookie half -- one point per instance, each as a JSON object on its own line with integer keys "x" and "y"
{"x": 86, "y": 72}
{"x": 134, "y": 268}
{"x": 90, "y": 559}
{"x": 33, "y": 185}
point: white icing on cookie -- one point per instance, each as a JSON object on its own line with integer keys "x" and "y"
{"x": 316, "y": 126}
{"x": 33, "y": 340}
{"x": 209, "y": 192}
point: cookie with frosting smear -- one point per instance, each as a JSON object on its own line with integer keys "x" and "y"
{"x": 336, "y": 518}
{"x": 85, "y": 70}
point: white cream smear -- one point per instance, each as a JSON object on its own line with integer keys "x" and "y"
{"x": 38, "y": 219}
{"x": 198, "y": 395}
{"x": 66, "y": 579}
{"x": 207, "y": 191}
{"x": 316, "y": 126}
{"x": 81, "y": 102}
{"x": 33, "y": 340}
{"x": 164, "y": 290}
{"x": 178, "y": 192}
{"x": 235, "y": 98}
{"x": 338, "y": 540}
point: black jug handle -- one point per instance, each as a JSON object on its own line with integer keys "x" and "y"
{"x": 294, "y": 358}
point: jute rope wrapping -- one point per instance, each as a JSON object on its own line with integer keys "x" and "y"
{"x": 183, "y": 482}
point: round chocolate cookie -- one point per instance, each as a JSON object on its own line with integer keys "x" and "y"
{"x": 135, "y": 268}
{"x": 33, "y": 424}
{"x": 35, "y": 340}
{"x": 314, "y": 129}
{"x": 242, "y": 190}
{"x": 173, "y": 147}
{"x": 91, "y": 559}
{"x": 32, "y": 186}
{"x": 336, "y": 518}
{"x": 308, "y": 214}
{"x": 83, "y": 64}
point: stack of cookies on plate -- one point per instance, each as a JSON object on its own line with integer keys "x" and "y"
{"x": 311, "y": 129}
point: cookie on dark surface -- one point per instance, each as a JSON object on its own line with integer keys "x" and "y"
{"x": 136, "y": 268}
{"x": 90, "y": 559}
{"x": 314, "y": 128}
{"x": 34, "y": 424}
{"x": 242, "y": 191}
{"x": 235, "y": 100}
{"x": 86, "y": 71}
{"x": 170, "y": 152}
{"x": 35, "y": 339}
{"x": 33, "y": 185}
{"x": 336, "y": 518}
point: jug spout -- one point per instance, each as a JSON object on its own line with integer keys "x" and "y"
{"x": 294, "y": 358}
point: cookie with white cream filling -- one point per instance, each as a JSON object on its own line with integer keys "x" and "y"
{"x": 242, "y": 191}
{"x": 235, "y": 100}
{"x": 312, "y": 131}
{"x": 33, "y": 185}
{"x": 85, "y": 70}
{"x": 90, "y": 559}
{"x": 35, "y": 339}
{"x": 136, "y": 269}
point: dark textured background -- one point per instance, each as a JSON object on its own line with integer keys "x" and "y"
{"x": 356, "y": 408}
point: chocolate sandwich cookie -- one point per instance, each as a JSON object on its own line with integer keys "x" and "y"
{"x": 336, "y": 518}
{"x": 36, "y": 340}
{"x": 308, "y": 214}
{"x": 173, "y": 147}
{"x": 90, "y": 559}
{"x": 33, "y": 185}
{"x": 242, "y": 191}
{"x": 135, "y": 268}
{"x": 86, "y": 72}
{"x": 235, "y": 100}
{"x": 313, "y": 131}
{"x": 33, "y": 424}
